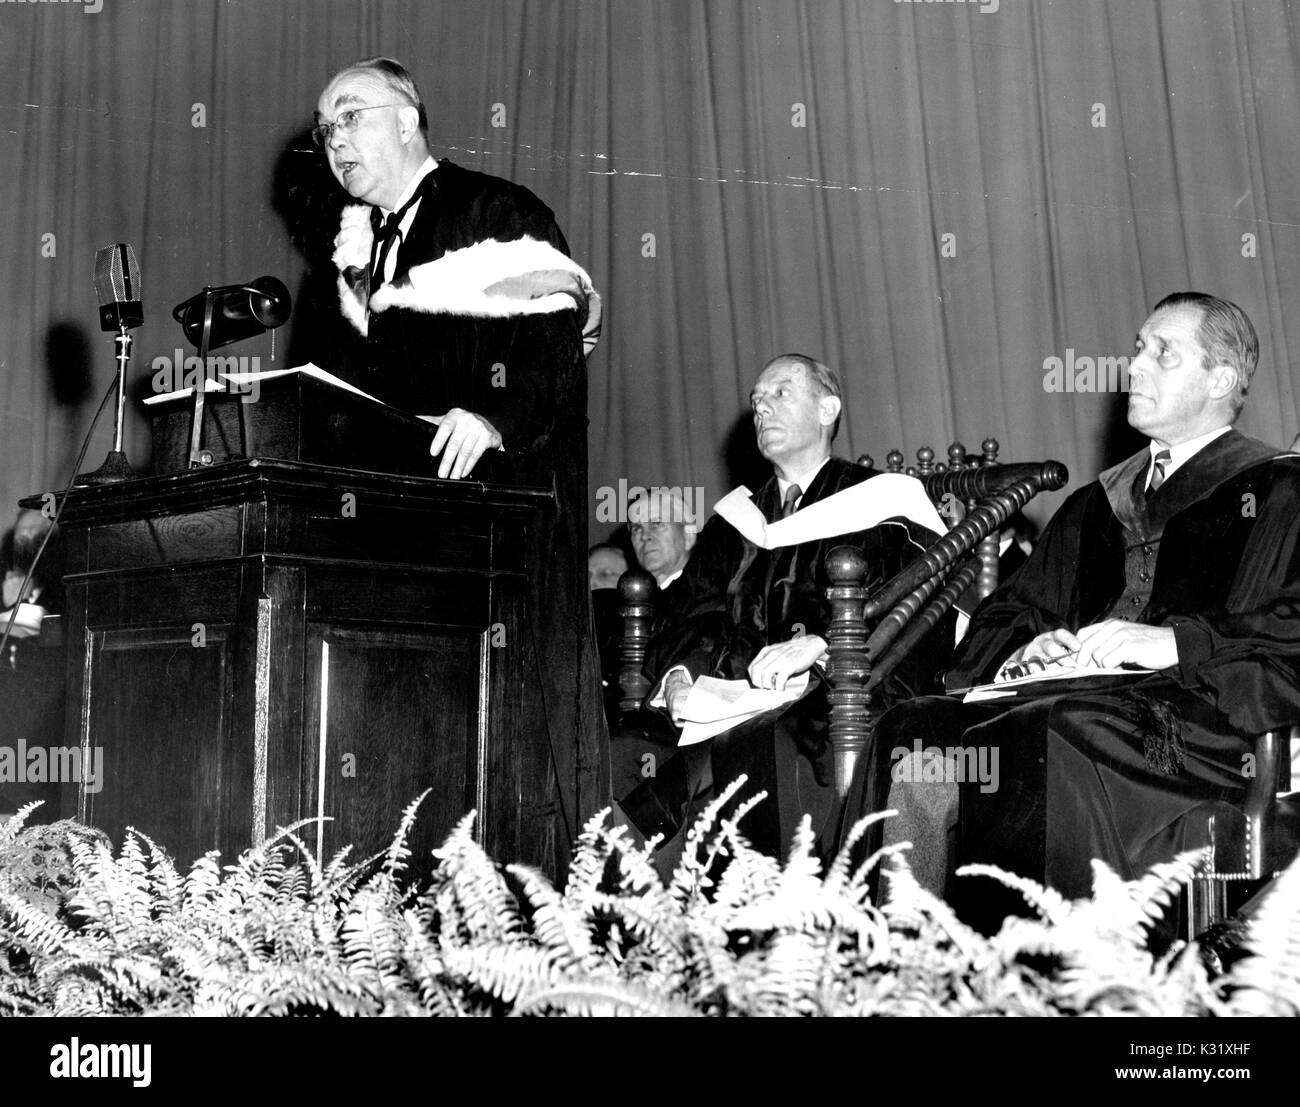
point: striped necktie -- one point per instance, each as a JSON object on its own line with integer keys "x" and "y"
{"x": 791, "y": 500}
{"x": 1158, "y": 464}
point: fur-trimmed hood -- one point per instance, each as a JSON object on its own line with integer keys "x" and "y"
{"x": 490, "y": 279}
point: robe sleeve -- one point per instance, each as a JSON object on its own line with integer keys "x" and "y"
{"x": 540, "y": 359}
{"x": 691, "y": 629}
{"x": 1040, "y": 596}
{"x": 920, "y": 672}
{"x": 540, "y": 356}
{"x": 1246, "y": 660}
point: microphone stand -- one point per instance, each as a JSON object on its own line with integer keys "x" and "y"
{"x": 116, "y": 467}
{"x": 198, "y": 455}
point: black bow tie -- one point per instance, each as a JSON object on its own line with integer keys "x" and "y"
{"x": 389, "y": 231}
{"x": 386, "y": 228}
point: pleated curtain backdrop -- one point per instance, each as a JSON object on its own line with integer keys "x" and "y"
{"x": 935, "y": 198}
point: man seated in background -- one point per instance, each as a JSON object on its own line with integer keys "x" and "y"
{"x": 45, "y": 589}
{"x": 1176, "y": 573}
{"x": 605, "y": 564}
{"x": 662, "y": 531}
{"x": 32, "y": 680}
{"x": 662, "y": 534}
{"x": 741, "y": 611}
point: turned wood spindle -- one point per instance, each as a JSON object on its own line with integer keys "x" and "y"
{"x": 989, "y": 550}
{"x": 637, "y": 590}
{"x": 849, "y": 666}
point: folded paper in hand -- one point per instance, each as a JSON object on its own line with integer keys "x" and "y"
{"x": 714, "y": 705}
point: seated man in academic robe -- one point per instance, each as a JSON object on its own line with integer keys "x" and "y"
{"x": 1177, "y": 572}
{"x": 751, "y": 606}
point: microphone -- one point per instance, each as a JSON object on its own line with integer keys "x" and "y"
{"x": 117, "y": 284}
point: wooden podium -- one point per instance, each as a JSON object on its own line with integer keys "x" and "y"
{"x": 262, "y": 641}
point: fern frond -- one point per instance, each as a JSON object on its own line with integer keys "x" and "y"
{"x": 373, "y": 940}
{"x": 1047, "y": 902}
{"x": 472, "y": 891}
{"x": 16, "y": 822}
{"x": 790, "y": 974}
{"x": 166, "y": 888}
{"x": 600, "y": 999}
{"x": 1154, "y": 892}
{"x": 556, "y": 925}
{"x": 661, "y": 933}
{"x": 309, "y": 859}
{"x": 26, "y": 927}
{"x": 398, "y": 853}
{"x": 1268, "y": 981}
{"x": 591, "y": 851}
{"x": 907, "y": 899}
{"x": 691, "y": 877}
{"x": 202, "y": 880}
{"x": 506, "y": 970}
{"x": 304, "y": 989}
{"x": 838, "y": 874}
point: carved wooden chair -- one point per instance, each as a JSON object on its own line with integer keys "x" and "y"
{"x": 951, "y": 509}
{"x": 904, "y": 609}
{"x": 1253, "y": 844}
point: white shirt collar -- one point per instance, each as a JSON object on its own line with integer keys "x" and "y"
{"x": 665, "y": 583}
{"x": 803, "y": 480}
{"x": 1184, "y": 451}
{"x": 426, "y": 167}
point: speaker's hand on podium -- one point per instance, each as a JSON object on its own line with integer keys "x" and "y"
{"x": 462, "y": 439}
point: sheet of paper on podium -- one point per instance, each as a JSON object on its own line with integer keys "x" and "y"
{"x": 242, "y": 382}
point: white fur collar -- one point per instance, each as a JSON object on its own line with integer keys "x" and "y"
{"x": 490, "y": 279}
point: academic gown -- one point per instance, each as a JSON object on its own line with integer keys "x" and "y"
{"x": 1126, "y": 769}
{"x": 487, "y": 312}
{"x": 734, "y": 598}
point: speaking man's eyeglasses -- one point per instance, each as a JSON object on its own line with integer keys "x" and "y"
{"x": 347, "y": 122}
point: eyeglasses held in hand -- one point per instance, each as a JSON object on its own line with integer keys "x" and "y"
{"x": 346, "y": 123}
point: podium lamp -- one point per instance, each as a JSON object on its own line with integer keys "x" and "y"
{"x": 221, "y": 315}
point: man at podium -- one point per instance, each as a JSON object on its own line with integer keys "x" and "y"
{"x": 475, "y": 317}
